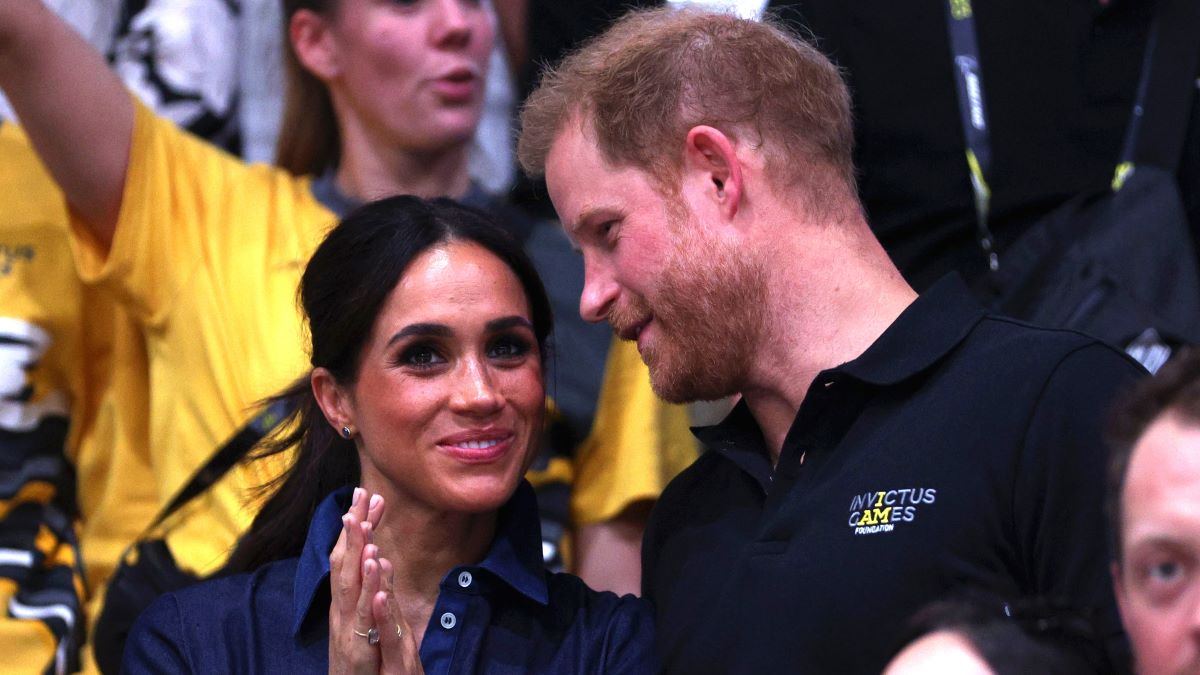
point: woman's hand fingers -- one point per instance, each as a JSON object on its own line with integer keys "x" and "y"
{"x": 354, "y": 584}
{"x": 375, "y": 510}
{"x": 345, "y": 564}
{"x": 363, "y": 617}
{"x": 398, "y": 644}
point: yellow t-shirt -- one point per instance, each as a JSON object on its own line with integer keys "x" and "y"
{"x": 207, "y": 255}
{"x": 69, "y": 359}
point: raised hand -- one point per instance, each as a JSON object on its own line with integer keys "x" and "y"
{"x": 355, "y": 579}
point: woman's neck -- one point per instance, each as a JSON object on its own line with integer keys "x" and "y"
{"x": 368, "y": 171}
{"x": 423, "y": 546}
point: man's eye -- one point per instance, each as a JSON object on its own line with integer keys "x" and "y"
{"x": 1164, "y": 571}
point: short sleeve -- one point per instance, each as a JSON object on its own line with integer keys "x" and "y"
{"x": 1059, "y": 496}
{"x": 185, "y": 204}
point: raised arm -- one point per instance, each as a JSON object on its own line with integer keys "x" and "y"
{"x": 75, "y": 110}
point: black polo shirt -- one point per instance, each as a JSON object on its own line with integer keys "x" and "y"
{"x": 961, "y": 449}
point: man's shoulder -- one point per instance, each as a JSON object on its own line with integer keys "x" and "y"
{"x": 1018, "y": 346}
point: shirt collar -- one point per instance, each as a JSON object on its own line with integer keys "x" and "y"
{"x": 325, "y": 190}
{"x": 515, "y": 556}
{"x": 925, "y": 332}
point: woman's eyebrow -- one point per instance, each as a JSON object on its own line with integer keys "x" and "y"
{"x": 422, "y": 329}
{"x": 507, "y": 322}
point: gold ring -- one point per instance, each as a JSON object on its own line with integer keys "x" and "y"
{"x": 372, "y": 635}
{"x": 399, "y": 632}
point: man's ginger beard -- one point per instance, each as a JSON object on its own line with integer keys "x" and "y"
{"x": 707, "y": 308}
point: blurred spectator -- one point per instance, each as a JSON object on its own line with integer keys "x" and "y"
{"x": 1154, "y": 501}
{"x": 76, "y": 484}
{"x": 975, "y": 635}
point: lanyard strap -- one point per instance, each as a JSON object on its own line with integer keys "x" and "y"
{"x": 968, "y": 82}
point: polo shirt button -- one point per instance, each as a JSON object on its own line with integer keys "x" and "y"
{"x": 464, "y": 579}
{"x": 448, "y": 621}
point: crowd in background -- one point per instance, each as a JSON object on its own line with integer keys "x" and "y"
{"x": 122, "y": 379}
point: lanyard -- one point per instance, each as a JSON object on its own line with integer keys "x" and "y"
{"x": 968, "y": 82}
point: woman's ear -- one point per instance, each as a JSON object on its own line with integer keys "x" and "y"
{"x": 334, "y": 401}
{"x": 313, "y": 44}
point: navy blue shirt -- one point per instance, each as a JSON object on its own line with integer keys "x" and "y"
{"x": 961, "y": 450}
{"x": 506, "y": 614}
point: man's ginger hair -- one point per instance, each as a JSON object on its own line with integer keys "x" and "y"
{"x": 643, "y": 84}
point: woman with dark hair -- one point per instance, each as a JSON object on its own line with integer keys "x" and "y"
{"x": 428, "y": 327}
{"x": 205, "y": 251}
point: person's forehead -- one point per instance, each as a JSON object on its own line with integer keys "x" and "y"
{"x": 1164, "y": 468}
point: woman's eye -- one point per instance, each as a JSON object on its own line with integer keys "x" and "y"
{"x": 421, "y": 356}
{"x": 508, "y": 348}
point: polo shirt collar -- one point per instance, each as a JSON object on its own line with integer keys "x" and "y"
{"x": 515, "y": 556}
{"x": 925, "y": 332}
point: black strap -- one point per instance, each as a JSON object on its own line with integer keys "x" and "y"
{"x": 1168, "y": 82}
{"x": 968, "y": 82}
{"x": 224, "y": 459}
{"x": 1156, "y": 129}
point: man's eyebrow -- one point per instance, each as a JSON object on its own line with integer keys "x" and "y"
{"x": 507, "y": 322}
{"x": 423, "y": 330}
{"x": 591, "y": 214}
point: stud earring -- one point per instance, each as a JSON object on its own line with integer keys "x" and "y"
{"x": 346, "y": 433}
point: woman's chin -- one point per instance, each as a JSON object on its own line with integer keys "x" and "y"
{"x": 480, "y": 494}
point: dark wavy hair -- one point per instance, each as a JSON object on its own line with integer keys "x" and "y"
{"x": 342, "y": 292}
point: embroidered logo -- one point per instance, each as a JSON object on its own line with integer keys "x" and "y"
{"x": 881, "y": 511}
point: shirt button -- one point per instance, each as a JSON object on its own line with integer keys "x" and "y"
{"x": 464, "y": 579}
{"x": 448, "y": 621}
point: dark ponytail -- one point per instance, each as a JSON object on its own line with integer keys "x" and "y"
{"x": 344, "y": 287}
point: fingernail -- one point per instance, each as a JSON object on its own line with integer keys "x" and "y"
{"x": 375, "y": 501}
{"x": 346, "y": 522}
{"x": 358, "y": 493}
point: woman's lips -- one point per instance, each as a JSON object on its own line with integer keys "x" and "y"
{"x": 458, "y": 86}
{"x": 476, "y": 448}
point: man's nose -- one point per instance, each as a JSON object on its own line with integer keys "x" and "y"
{"x": 599, "y": 291}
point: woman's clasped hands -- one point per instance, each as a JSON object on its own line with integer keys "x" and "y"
{"x": 367, "y": 631}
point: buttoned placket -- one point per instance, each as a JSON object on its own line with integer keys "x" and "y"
{"x": 452, "y": 613}
{"x": 827, "y": 413}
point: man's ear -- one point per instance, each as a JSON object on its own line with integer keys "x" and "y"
{"x": 712, "y": 165}
{"x": 333, "y": 400}
{"x": 313, "y": 44}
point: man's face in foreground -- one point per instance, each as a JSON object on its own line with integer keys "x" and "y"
{"x": 1158, "y": 576}
{"x": 655, "y": 273}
